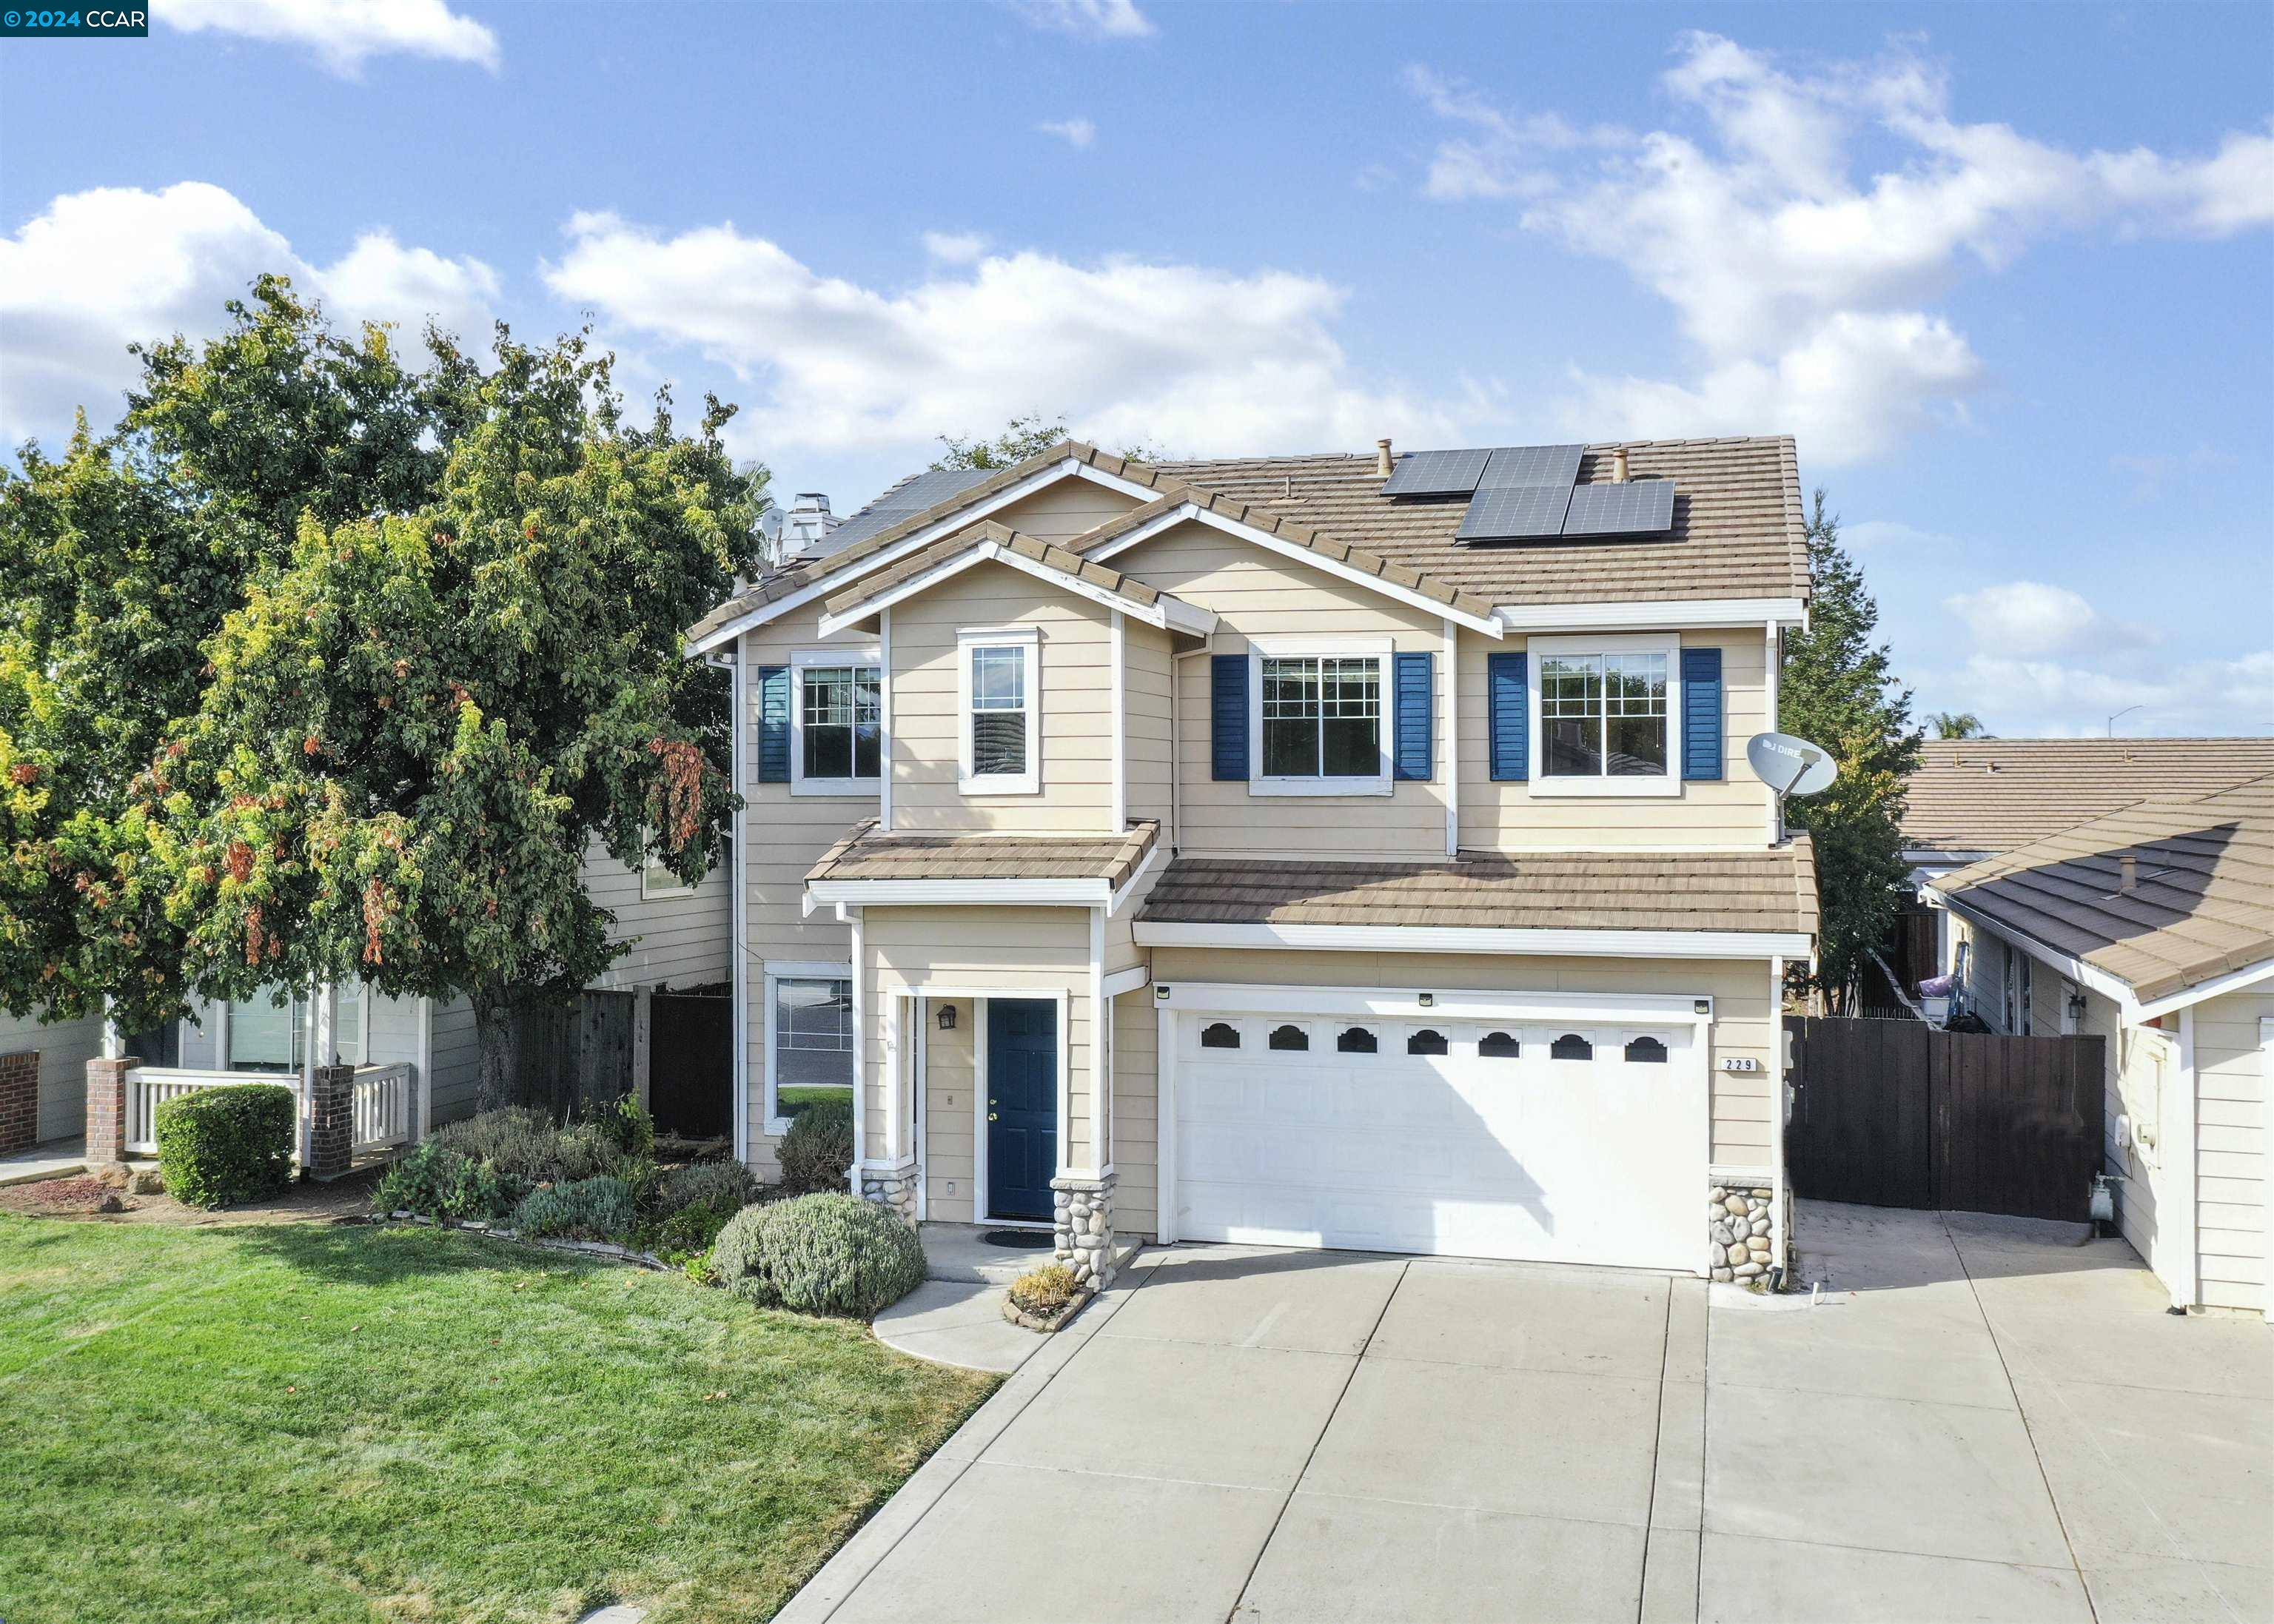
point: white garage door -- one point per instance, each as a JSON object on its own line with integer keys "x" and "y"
{"x": 1562, "y": 1141}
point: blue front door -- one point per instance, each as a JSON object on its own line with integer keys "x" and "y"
{"x": 1022, "y": 1106}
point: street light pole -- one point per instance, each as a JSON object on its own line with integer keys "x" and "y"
{"x": 2128, "y": 711}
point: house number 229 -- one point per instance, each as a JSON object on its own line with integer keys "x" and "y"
{"x": 1740, "y": 1062}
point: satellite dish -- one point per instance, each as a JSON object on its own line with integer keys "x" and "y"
{"x": 1790, "y": 766}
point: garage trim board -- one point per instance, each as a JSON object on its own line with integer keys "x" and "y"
{"x": 1464, "y": 1128}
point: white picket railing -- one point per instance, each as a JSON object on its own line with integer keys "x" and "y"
{"x": 148, "y": 1087}
{"x": 382, "y": 1107}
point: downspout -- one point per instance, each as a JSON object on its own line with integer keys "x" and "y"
{"x": 1175, "y": 739}
{"x": 883, "y": 722}
{"x": 1775, "y": 648}
{"x": 1780, "y": 1202}
{"x": 739, "y": 983}
{"x": 1452, "y": 740}
{"x": 860, "y": 1052}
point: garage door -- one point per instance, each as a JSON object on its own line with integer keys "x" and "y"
{"x": 1554, "y": 1139}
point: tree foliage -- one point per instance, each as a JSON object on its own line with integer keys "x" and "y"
{"x": 1024, "y": 436}
{"x": 1956, "y": 724}
{"x": 1838, "y": 690}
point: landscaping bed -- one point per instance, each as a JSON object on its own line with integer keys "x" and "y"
{"x": 382, "y": 1422}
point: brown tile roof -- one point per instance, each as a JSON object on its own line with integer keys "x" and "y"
{"x": 1045, "y": 554}
{"x": 865, "y": 855}
{"x": 1765, "y": 891}
{"x": 1737, "y": 527}
{"x": 1978, "y": 795}
{"x": 2202, "y": 902}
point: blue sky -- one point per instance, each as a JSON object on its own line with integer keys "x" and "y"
{"x": 2007, "y": 272}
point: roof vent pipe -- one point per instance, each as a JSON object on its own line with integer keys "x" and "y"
{"x": 1619, "y": 464}
{"x": 1383, "y": 463}
{"x": 2128, "y": 869}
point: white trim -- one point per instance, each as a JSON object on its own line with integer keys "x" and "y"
{"x": 2266, "y": 1209}
{"x": 977, "y": 997}
{"x": 1164, "y": 1125}
{"x": 2180, "y": 1137}
{"x": 884, "y": 721}
{"x": 427, "y": 1066}
{"x": 1468, "y": 939}
{"x": 1639, "y": 1009}
{"x": 1006, "y": 893}
{"x": 1541, "y": 650}
{"x": 739, "y": 910}
{"x": 859, "y": 1055}
{"x": 2249, "y": 976}
{"x": 1101, "y": 1079}
{"x": 1489, "y": 625}
{"x": 770, "y": 973}
{"x": 1115, "y": 904}
{"x": 1029, "y": 641}
{"x": 1119, "y": 654}
{"x": 1382, "y": 651}
{"x": 801, "y": 661}
{"x": 1168, "y": 612}
{"x": 962, "y": 518}
{"x": 921, "y": 1062}
{"x": 1127, "y": 981}
{"x": 1773, "y": 652}
{"x": 659, "y": 884}
{"x": 1452, "y": 684}
{"x": 1779, "y": 1213}
{"x": 1653, "y": 614}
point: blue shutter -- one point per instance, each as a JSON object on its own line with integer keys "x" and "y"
{"x": 1701, "y": 713}
{"x": 1510, "y": 721}
{"x": 1416, "y": 702}
{"x": 774, "y": 723}
{"x": 1228, "y": 715}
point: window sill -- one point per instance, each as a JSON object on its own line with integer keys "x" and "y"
{"x": 837, "y": 789}
{"x": 1552, "y": 788}
{"x": 1346, "y": 787}
{"x": 1020, "y": 784}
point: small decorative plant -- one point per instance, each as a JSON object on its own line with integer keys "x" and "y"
{"x": 1045, "y": 1290}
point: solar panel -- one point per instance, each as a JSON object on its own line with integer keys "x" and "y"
{"x": 1437, "y": 473}
{"x": 1520, "y": 465}
{"x": 1635, "y": 508}
{"x": 927, "y": 489}
{"x": 1517, "y": 513}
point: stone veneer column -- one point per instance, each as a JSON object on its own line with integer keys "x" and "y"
{"x": 19, "y": 1101}
{"x": 1081, "y": 1228}
{"x": 331, "y": 1121}
{"x": 106, "y": 1110}
{"x": 892, "y": 1187}
{"x": 1741, "y": 1220}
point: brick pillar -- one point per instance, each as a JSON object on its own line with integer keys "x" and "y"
{"x": 19, "y": 1101}
{"x": 331, "y": 1121}
{"x": 106, "y": 1110}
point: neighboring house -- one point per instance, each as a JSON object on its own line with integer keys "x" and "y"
{"x": 1241, "y": 850}
{"x": 2153, "y": 928}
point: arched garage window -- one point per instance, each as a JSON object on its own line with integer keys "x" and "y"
{"x": 1647, "y": 1049}
{"x": 1355, "y": 1040}
{"x": 1498, "y": 1046}
{"x": 1219, "y": 1034}
{"x": 1426, "y": 1041}
{"x": 1571, "y": 1046}
{"x": 1290, "y": 1037}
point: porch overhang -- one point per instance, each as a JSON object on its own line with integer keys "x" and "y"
{"x": 868, "y": 868}
{"x": 1745, "y": 945}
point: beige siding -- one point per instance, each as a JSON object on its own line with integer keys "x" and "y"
{"x": 1147, "y": 664}
{"x": 1136, "y": 1115}
{"x": 1062, "y": 511}
{"x": 64, "y": 1048}
{"x": 681, "y": 941}
{"x": 1744, "y": 1023}
{"x": 1256, "y": 593}
{"x": 951, "y": 1127}
{"x": 1076, "y": 719}
{"x": 2231, "y": 1149}
{"x": 1732, "y": 811}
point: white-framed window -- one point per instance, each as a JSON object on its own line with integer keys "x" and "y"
{"x": 808, "y": 1036}
{"x": 1606, "y": 715}
{"x": 1318, "y": 716}
{"x": 265, "y": 1036}
{"x": 999, "y": 695}
{"x": 836, "y": 722}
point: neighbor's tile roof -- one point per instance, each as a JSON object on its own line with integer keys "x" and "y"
{"x": 1071, "y": 565}
{"x": 1772, "y": 890}
{"x": 1978, "y": 795}
{"x": 867, "y": 855}
{"x": 2203, "y": 903}
{"x": 1737, "y": 527}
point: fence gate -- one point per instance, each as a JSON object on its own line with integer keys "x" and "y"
{"x": 691, "y": 1064}
{"x": 575, "y": 1055}
{"x": 1895, "y": 1113}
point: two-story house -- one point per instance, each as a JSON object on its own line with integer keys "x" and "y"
{"x": 1319, "y": 851}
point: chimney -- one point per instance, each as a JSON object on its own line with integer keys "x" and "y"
{"x": 805, "y": 529}
{"x": 2128, "y": 868}
{"x": 1383, "y": 461}
{"x": 1619, "y": 464}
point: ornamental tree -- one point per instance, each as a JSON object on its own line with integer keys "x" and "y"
{"x": 417, "y": 722}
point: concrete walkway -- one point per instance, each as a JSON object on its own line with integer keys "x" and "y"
{"x": 1978, "y": 1422}
{"x": 55, "y": 1159}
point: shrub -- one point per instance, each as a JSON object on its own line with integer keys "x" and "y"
{"x": 709, "y": 1183}
{"x": 594, "y": 1209}
{"x": 817, "y": 1151}
{"x": 689, "y": 1232}
{"x": 437, "y": 1181}
{"x": 628, "y": 1126}
{"x": 221, "y": 1146}
{"x": 585, "y": 1151}
{"x": 819, "y": 1254}
{"x": 523, "y": 1143}
{"x": 1043, "y": 1290}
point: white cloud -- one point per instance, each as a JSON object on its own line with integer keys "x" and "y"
{"x": 1089, "y": 20}
{"x": 2026, "y": 698}
{"x": 954, "y": 247}
{"x": 1072, "y": 131}
{"x": 1185, "y": 355}
{"x": 1893, "y": 536}
{"x": 1803, "y": 283}
{"x": 2032, "y": 618}
{"x": 97, "y": 270}
{"x": 343, "y": 33}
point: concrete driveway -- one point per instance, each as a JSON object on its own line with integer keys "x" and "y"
{"x": 1976, "y": 1422}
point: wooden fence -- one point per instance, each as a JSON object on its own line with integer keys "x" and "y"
{"x": 691, "y": 1064}
{"x": 1897, "y": 1113}
{"x": 576, "y": 1055}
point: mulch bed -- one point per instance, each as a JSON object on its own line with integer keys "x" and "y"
{"x": 60, "y": 1198}
{"x": 302, "y": 1202}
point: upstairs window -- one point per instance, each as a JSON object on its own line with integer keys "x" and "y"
{"x": 1318, "y": 716}
{"x": 1605, "y": 714}
{"x": 1000, "y": 692}
{"x": 837, "y": 723}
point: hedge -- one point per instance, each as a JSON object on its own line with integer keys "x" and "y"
{"x": 219, "y": 1146}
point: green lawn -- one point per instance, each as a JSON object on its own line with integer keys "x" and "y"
{"x": 794, "y": 1098}
{"x": 317, "y": 1423}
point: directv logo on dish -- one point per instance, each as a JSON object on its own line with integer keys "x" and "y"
{"x": 75, "y": 23}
